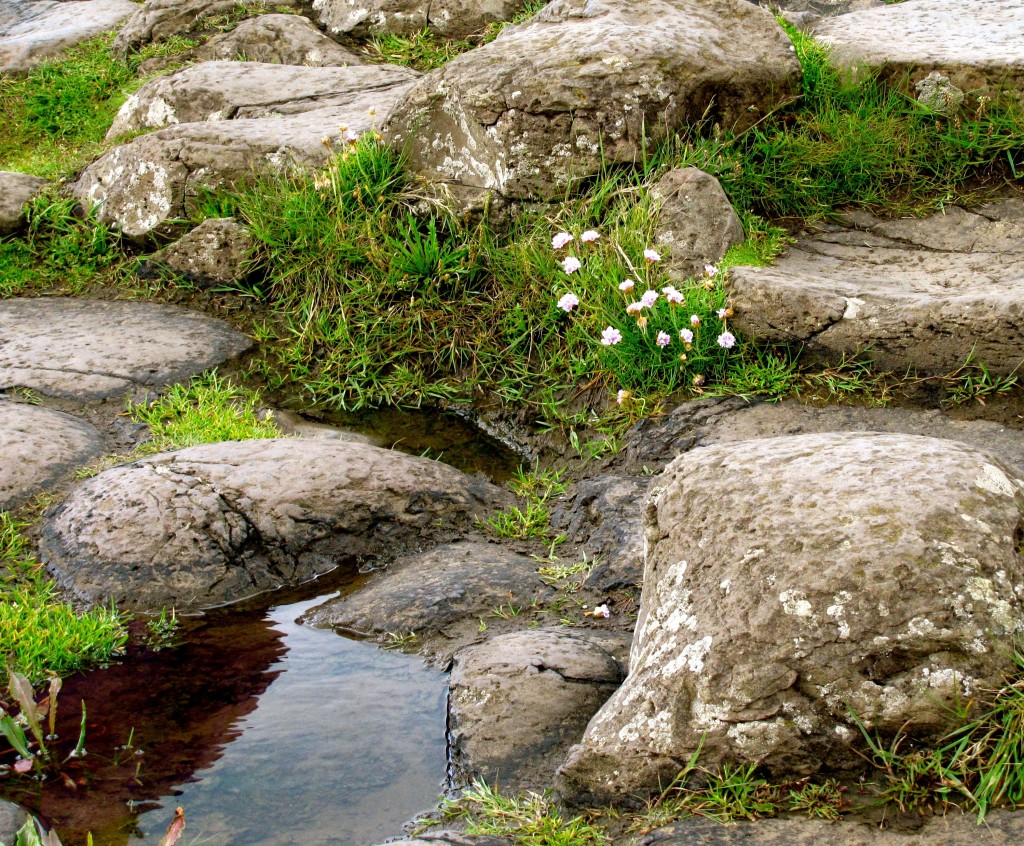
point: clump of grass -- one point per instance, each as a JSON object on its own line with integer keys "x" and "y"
{"x": 39, "y": 633}
{"x": 528, "y": 819}
{"x": 206, "y": 410}
{"x": 422, "y": 51}
{"x": 536, "y": 488}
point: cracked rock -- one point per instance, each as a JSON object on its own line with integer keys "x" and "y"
{"x": 216, "y": 523}
{"x": 780, "y": 594}
{"x": 38, "y": 447}
{"x": 88, "y": 349}
{"x": 583, "y": 84}
{"x": 923, "y": 294}
{"x": 518, "y": 701}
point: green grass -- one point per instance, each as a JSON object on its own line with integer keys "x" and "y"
{"x": 39, "y": 633}
{"x": 422, "y": 51}
{"x": 206, "y": 410}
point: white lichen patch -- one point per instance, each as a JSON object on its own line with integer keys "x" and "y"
{"x": 1003, "y": 614}
{"x": 159, "y": 113}
{"x": 691, "y": 657}
{"x": 853, "y": 306}
{"x": 795, "y": 603}
{"x": 994, "y": 480}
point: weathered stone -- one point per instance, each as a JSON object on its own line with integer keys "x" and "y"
{"x": 805, "y": 13}
{"x": 88, "y": 349}
{"x": 697, "y": 223}
{"x": 158, "y": 20}
{"x": 12, "y": 817}
{"x": 217, "y": 91}
{"x": 975, "y": 43}
{"x": 428, "y": 591}
{"x": 950, "y": 829}
{"x": 925, "y": 294}
{"x": 38, "y": 446}
{"x": 146, "y": 184}
{"x": 214, "y": 253}
{"x": 585, "y": 83}
{"x": 32, "y": 31}
{"x": 937, "y": 93}
{"x": 781, "y": 595}
{"x": 216, "y": 523}
{"x": 279, "y": 39}
{"x": 449, "y": 18}
{"x": 518, "y": 701}
{"x": 16, "y": 189}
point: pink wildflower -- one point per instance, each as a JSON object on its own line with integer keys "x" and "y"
{"x": 727, "y": 340}
{"x": 694, "y": 320}
{"x": 686, "y": 336}
{"x": 568, "y": 302}
{"x": 627, "y": 286}
{"x": 649, "y": 299}
{"x": 663, "y": 339}
{"x": 589, "y": 235}
{"x": 611, "y": 336}
{"x": 652, "y": 255}
{"x": 570, "y": 264}
{"x": 560, "y": 240}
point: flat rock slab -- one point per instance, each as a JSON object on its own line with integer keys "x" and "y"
{"x": 215, "y": 91}
{"x": 975, "y": 43}
{"x": 1000, "y": 828}
{"x": 780, "y": 596}
{"x": 216, "y": 523}
{"x": 32, "y": 31}
{"x": 16, "y": 189}
{"x": 38, "y": 447}
{"x": 91, "y": 350}
{"x": 922, "y": 294}
{"x": 518, "y": 701}
{"x": 585, "y": 83}
{"x": 148, "y": 183}
{"x": 430, "y": 591}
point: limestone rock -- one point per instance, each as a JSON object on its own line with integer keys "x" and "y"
{"x": 158, "y": 20}
{"x": 89, "y": 349}
{"x": 278, "y": 39}
{"x": 216, "y": 523}
{"x": 212, "y": 254}
{"x": 584, "y": 82}
{"x": 217, "y": 91}
{"x": 428, "y": 591}
{"x": 449, "y": 18}
{"x": 32, "y": 31}
{"x": 924, "y": 294}
{"x": 697, "y": 223}
{"x": 38, "y": 446}
{"x": 518, "y": 701}
{"x": 976, "y": 43}
{"x": 16, "y": 189}
{"x": 952, "y": 829}
{"x": 146, "y": 184}
{"x": 780, "y": 592}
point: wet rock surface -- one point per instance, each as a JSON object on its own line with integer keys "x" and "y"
{"x": 443, "y": 590}
{"x": 214, "y": 253}
{"x": 16, "y": 189}
{"x": 216, "y": 91}
{"x": 518, "y": 701}
{"x": 746, "y": 644}
{"x": 924, "y": 294}
{"x": 581, "y": 84}
{"x": 88, "y": 349}
{"x": 975, "y": 43}
{"x": 953, "y": 829}
{"x": 449, "y": 18}
{"x": 38, "y": 447}
{"x": 32, "y": 31}
{"x": 216, "y": 523}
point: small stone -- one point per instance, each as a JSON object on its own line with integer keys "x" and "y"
{"x": 16, "y": 190}
{"x": 212, "y": 254}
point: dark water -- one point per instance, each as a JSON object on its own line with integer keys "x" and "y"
{"x": 265, "y": 731}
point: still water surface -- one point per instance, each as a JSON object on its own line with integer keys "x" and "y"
{"x": 267, "y": 732}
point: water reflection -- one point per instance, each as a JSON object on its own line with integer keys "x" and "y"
{"x": 267, "y": 732}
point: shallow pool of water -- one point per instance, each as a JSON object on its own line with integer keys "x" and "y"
{"x": 265, "y": 731}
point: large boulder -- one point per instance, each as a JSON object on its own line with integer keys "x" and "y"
{"x": 92, "y": 350}
{"x": 32, "y": 31}
{"x": 923, "y": 294}
{"x": 794, "y": 585}
{"x": 212, "y": 524}
{"x": 974, "y": 43}
{"x": 39, "y": 446}
{"x": 16, "y": 189}
{"x": 518, "y": 701}
{"x": 158, "y": 20}
{"x": 281, "y": 39}
{"x": 449, "y": 18}
{"x": 217, "y": 91}
{"x": 586, "y": 83}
